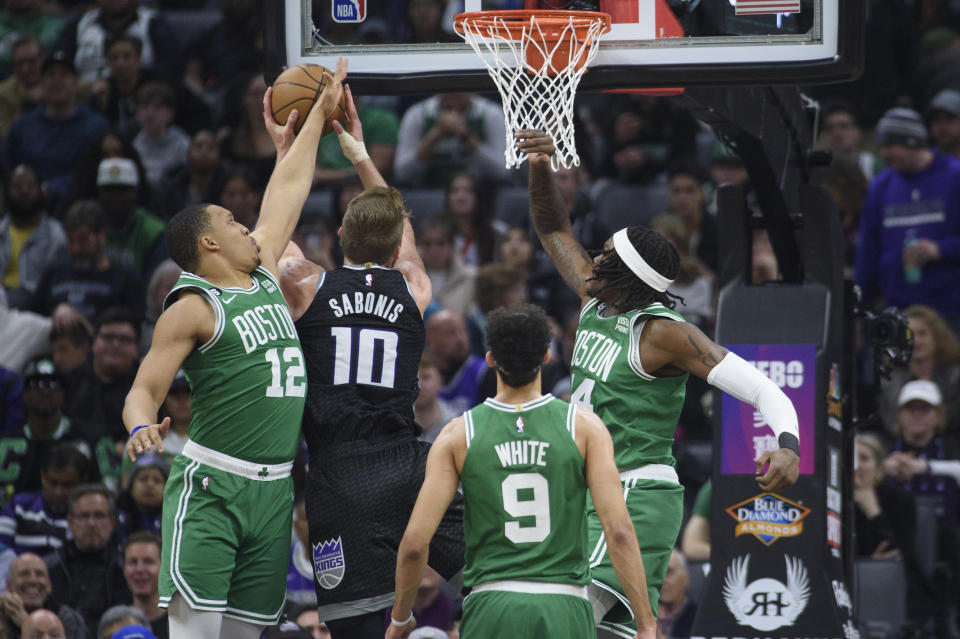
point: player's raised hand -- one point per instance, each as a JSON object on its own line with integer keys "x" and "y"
{"x": 354, "y": 127}
{"x": 281, "y": 134}
{"x": 146, "y": 438}
{"x": 537, "y": 144}
{"x": 332, "y": 90}
{"x": 783, "y": 471}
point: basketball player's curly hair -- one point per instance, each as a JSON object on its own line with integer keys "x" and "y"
{"x": 518, "y": 337}
{"x": 633, "y": 293}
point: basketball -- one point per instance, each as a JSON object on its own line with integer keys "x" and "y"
{"x": 298, "y": 88}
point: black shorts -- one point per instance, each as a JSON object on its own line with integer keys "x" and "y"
{"x": 359, "y": 499}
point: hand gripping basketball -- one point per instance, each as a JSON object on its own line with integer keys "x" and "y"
{"x": 302, "y": 86}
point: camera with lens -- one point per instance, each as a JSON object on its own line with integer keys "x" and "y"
{"x": 889, "y": 334}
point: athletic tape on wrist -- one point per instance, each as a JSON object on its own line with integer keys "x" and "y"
{"x": 353, "y": 149}
{"x": 401, "y": 623}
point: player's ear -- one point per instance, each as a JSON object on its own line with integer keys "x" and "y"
{"x": 489, "y": 358}
{"x": 546, "y": 357}
{"x": 207, "y": 243}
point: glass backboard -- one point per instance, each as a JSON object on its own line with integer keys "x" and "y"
{"x": 409, "y": 46}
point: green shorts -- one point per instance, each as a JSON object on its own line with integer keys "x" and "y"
{"x": 656, "y": 508}
{"x": 226, "y": 536}
{"x": 496, "y": 614}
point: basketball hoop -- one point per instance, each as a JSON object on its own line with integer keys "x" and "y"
{"x": 538, "y": 58}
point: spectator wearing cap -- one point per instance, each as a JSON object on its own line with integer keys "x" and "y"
{"x": 909, "y": 244}
{"x": 141, "y": 569}
{"x": 927, "y": 463}
{"x": 133, "y": 632}
{"x": 134, "y": 235}
{"x": 87, "y": 571}
{"x": 120, "y": 616}
{"x": 29, "y": 590}
{"x": 50, "y": 137}
{"x": 945, "y": 121}
{"x": 30, "y": 240}
{"x": 138, "y": 507}
{"x": 90, "y": 281}
{"x": 36, "y": 522}
{"x": 921, "y": 455}
{"x": 45, "y": 426}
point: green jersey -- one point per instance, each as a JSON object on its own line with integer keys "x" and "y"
{"x": 523, "y": 494}
{"x": 640, "y": 410}
{"x": 248, "y": 382}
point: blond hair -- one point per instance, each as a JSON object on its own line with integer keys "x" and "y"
{"x": 372, "y": 225}
{"x": 946, "y": 345}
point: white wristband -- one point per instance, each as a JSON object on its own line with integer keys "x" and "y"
{"x": 401, "y": 624}
{"x": 353, "y": 149}
{"x": 737, "y": 377}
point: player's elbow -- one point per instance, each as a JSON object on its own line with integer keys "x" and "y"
{"x": 620, "y": 533}
{"x": 413, "y": 549}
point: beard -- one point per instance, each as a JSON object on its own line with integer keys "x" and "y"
{"x": 20, "y": 212}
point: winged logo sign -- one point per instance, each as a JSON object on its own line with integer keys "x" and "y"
{"x": 766, "y": 604}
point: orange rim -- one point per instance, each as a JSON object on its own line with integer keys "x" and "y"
{"x": 551, "y": 22}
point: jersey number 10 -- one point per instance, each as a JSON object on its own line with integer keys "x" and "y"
{"x": 376, "y": 349}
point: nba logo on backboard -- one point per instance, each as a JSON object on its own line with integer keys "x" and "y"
{"x": 328, "y": 563}
{"x": 349, "y": 10}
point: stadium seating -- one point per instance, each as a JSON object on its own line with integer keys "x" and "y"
{"x": 881, "y": 597}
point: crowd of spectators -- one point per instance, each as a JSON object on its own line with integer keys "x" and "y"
{"x": 110, "y": 124}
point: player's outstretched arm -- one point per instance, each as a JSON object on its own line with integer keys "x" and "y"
{"x": 607, "y": 493}
{"x": 680, "y": 346}
{"x": 411, "y": 265}
{"x": 351, "y": 143}
{"x": 292, "y": 177}
{"x": 439, "y": 487}
{"x": 179, "y": 329}
{"x": 549, "y": 214}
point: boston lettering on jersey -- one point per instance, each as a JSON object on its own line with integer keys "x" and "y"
{"x": 262, "y": 324}
{"x": 522, "y": 453}
{"x": 367, "y": 303}
{"x": 595, "y": 352}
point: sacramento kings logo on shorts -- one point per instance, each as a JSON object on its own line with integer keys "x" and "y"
{"x": 328, "y": 564}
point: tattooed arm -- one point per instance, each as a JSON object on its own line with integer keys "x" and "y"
{"x": 549, "y": 215}
{"x": 668, "y": 348}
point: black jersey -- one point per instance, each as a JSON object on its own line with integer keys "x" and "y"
{"x": 362, "y": 338}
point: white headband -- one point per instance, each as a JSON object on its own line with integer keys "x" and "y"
{"x": 637, "y": 264}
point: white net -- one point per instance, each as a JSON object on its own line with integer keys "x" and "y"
{"x": 537, "y": 87}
